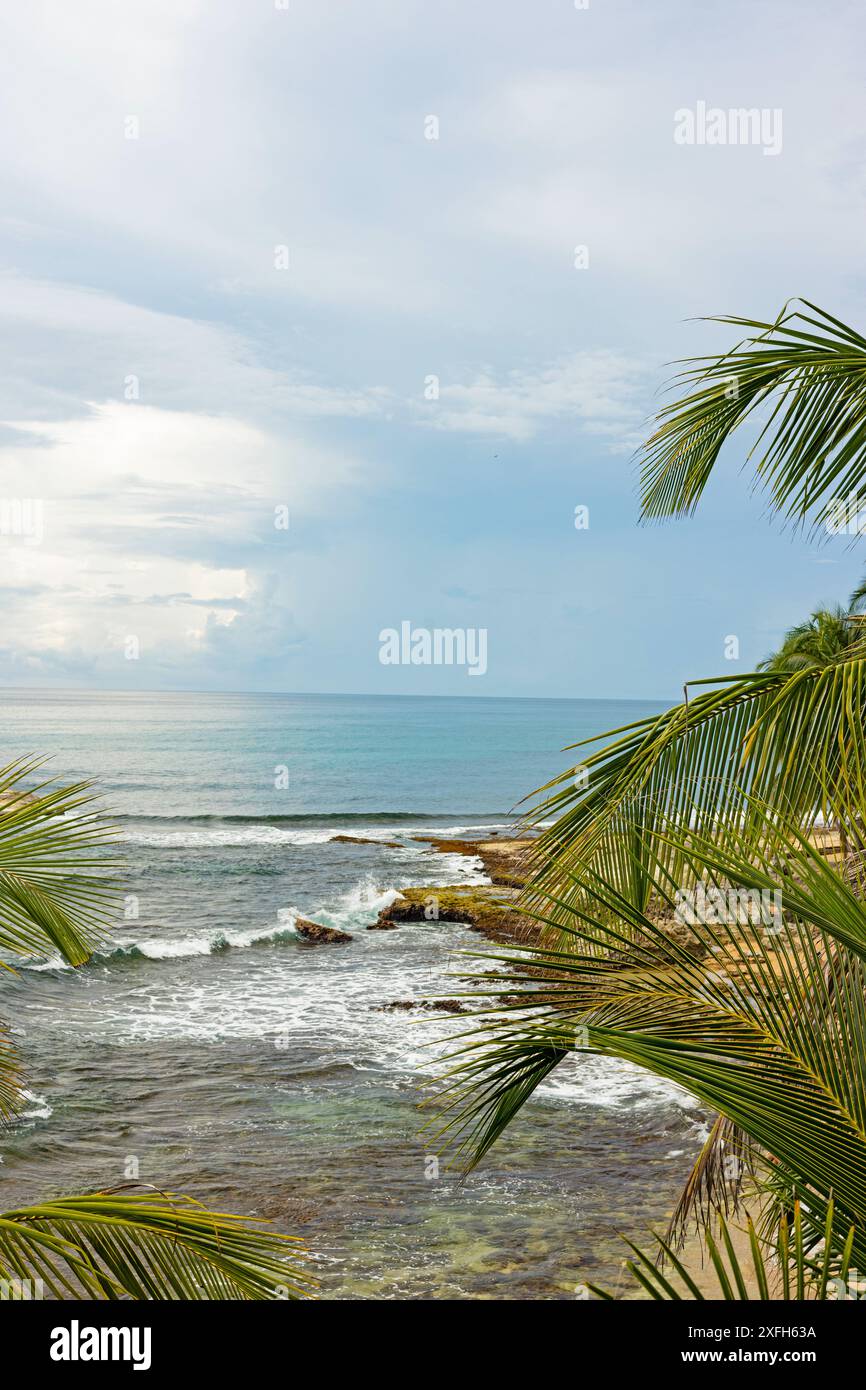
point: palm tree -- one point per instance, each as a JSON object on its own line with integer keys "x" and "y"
{"x": 789, "y": 733}
{"x": 763, "y": 1019}
{"x": 819, "y": 641}
{"x": 667, "y": 799}
{"x": 756, "y": 1004}
{"x": 57, "y": 887}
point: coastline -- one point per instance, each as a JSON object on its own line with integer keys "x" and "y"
{"x": 279, "y": 1073}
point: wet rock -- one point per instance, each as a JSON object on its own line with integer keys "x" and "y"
{"x": 361, "y": 840}
{"x": 505, "y": 861}
{"x": 443, "y": 1006}
{"x": 482, "y": 909}
{"x": 318, "y": 935}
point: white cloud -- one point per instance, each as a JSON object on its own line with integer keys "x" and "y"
{"x": 159, "y": 525}
{"x": 152, "y": 259}
{"x": 81, "y": 345}
{"x": 601, "y": 391}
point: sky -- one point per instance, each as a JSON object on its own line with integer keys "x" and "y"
{"x": 323, "y": 316}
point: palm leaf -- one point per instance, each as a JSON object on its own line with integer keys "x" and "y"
{"x": 716, "y": 1183}
{"x": 110, "y": 1245}
{"x": 809, "y": 370}
{"x": 10, "y": 1089}
{"x": 56, "y": 893}
{"x": 766, "y": 1024}
{"x": 57, "y": 884}
{"x": 791, "y": 740}
{"x": 783, "y": 1269}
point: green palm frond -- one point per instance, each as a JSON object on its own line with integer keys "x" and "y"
{"x": 793, "y": 740}
{"x": 10, "y": 1088}
{"x": 809, "y": 369}
{"x": 56, "y": 879}
{"x": 56, "y": 893}
{"x": 763, "y": 1019}
{"x": 108, "y": 1245}
{"x": 785, "y": 1268}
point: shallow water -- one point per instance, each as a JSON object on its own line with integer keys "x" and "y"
{"x": 209, "y": 1050}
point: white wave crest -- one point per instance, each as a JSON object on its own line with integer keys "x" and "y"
{"x": 236, "y": 837}
{"x": 37, "y": 1107}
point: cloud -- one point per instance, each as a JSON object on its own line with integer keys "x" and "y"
{"x": 162, "y": 526}
{"x": 74, "y": 345}
{"x": 600, "y": 390}
{"x": 166, "y": 385}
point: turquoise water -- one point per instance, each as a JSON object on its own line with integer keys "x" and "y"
{"x": 192, "y": 755}
{"x": 208, "y": 1049}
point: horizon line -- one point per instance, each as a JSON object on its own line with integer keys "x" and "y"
{"x": 323, "y": 694}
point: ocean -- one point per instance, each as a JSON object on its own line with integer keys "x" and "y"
{"x": 207, "y": 1049}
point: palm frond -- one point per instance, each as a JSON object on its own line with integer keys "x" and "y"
{"x": 57, "y": 880}
{"x": 56, "y": 892}
{"x": 109, "y": 1245}
{"x": 792, "y": 740}
{"x": 716, "y": 1183}
{"x": 809, "y": 369}
{"x": 10, "y": 1088}
{"x": 824, "y": 637}
{"x": 784, "y": 1268}
{"x": 765, "y": 1022}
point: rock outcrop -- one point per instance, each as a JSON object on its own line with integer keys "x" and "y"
{"x": 442, "y": 1006}
{"x": 505, "y": 860}
{"x": 317, "y": 935}
{"x": 482, "y": 909}
{"x": 363, "y": 840}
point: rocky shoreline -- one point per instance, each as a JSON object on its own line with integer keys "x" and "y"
{"x": 486, "y": 909}
{"x": 489, "y": 909}
{"x": 492, "y": 909}
{"x": 505, "y": 860}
